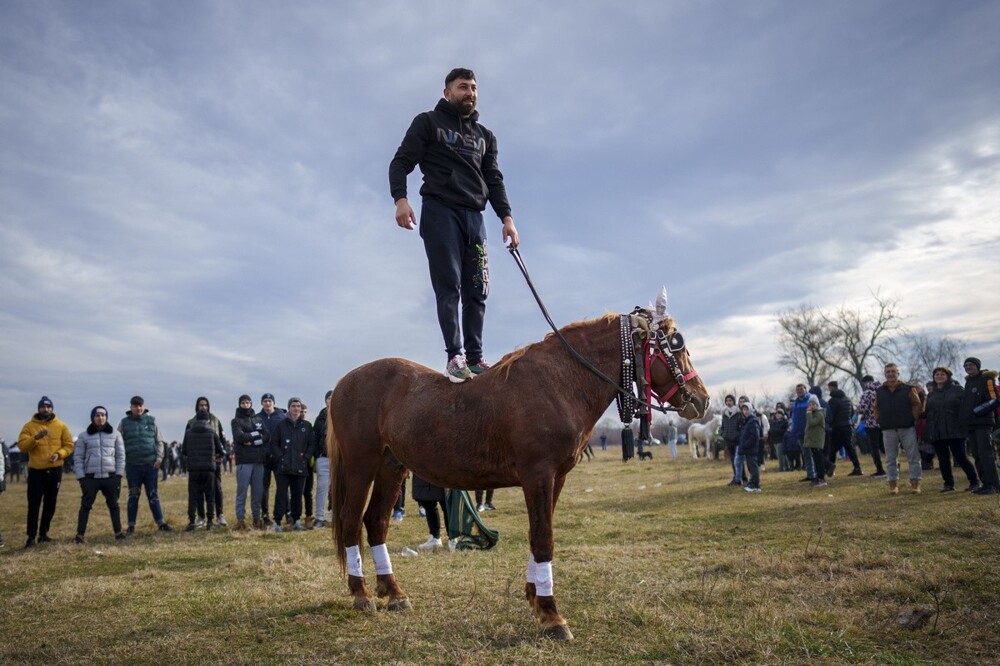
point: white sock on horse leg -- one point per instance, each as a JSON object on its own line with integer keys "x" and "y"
{"x": 380, "y": 554}
{"x": 354, "y": 561}
{"x": 543, "y": 579}
{"x": 532, "y": 568}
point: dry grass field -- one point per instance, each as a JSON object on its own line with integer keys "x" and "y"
{"x": 656, "y": 562}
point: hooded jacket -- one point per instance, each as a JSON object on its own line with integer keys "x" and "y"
{"x": 251, "y": 440}
{"x": 99, "y": 452}
{"x": 201, "y": 447}
{"x": 458, "y": 159}
{"x": 216, "y": 425}
{"x": 57, "y": 440}
{"x": 815, "y": 436}
{"x": 839, "y": 410}
{"x": 979, "y": 388}
{"x": 730, "y": 429}
{"x": 750, "y": 433}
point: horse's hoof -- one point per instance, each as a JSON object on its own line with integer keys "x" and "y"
{"x": 364, "y": 605}
{"x": 558, "y": 632}
{"x": 401, "y": 604}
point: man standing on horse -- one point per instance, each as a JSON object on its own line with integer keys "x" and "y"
{"x": 458, "y": 159}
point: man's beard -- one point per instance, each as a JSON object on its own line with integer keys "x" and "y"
{"x": 464, "y": 106}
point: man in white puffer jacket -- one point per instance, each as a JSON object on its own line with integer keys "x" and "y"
{"x": 99, "y": 464}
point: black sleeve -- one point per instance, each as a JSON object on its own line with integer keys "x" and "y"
{"x": 408, "y": 155}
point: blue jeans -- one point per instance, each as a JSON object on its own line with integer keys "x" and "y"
{"x": 249, "y": 477}
{"x": 455, "y": 243}
{"x": 139, "y": 476}
{"x": 322, "y": 486}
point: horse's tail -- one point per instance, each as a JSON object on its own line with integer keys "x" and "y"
{"x": 336, "y": 458}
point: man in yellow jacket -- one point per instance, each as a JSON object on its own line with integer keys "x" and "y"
{"x": 48, "y": 442}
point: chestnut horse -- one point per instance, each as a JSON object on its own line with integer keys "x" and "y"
{"x": 522, "y": 423}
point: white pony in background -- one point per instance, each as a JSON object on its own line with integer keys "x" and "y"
{"x": 703, "y": 433}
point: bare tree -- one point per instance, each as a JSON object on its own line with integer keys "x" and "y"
{"x": 806, "y": 342}
{"x": 863, "y": 334}
{"x": 922, "y": 354}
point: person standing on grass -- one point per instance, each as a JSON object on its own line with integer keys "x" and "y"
{"x": 99, "y": 465}
{"x": 202, "y": 404}
{"x": 839, "y": 413}
{"x": 730, "y": 431}
{"x": 292, "y": 444}
{"x": 144, "y": 450}
{"x": 3, "y": 482}
{"x": 48, "y": 443}
{"x": 978, "y": 417}
{"x": 814, "y": 441}
{"x": 428, "y": 497}
{"x": 797, "y": 428}
{"x": 750, "y": 436}
{"x": 251, "y": 441}
{"x": 942, "y": 409}
{"x": 270, "y": 416}
{"x": 866, "y": 411}
{"x": 322, "y": 465}
{"x": 897, "y": 407}
{"x": 203, "y": 451}
{"x": 458, "y": 159}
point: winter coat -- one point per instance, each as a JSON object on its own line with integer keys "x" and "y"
{"x": 251, "y": 439}
{"x": 776, "y": 431}
{"x": 839, "y": 410}
{"x": 201, "y": 447}
{"x": 797, "y": 417}
{"x": 730, "y": 429}
{"x": 319, "y": 427}
{"x": 143, "y": 443}
{"x": 99, "y": 452}
{"x": 942, "y": 409}
{"x": 292, "y": 446}
{"x": 57, "y": 440}
{"x": 815, "y": 436}
{"x": 979, "y": 388}
{"x": 424, "y": 491}
{"x": 750, "y": 435}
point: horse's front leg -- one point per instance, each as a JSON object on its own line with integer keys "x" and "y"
{"x": 540, "y": 495}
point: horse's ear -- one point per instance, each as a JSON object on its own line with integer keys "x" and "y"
{"x": 661, "y": 305}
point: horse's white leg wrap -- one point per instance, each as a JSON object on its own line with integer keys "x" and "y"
{"x": 543, "y": 579}
{"x": 532, "y": 568}
{"x": 354, "y": 561}
{"x": 380, "y": 554}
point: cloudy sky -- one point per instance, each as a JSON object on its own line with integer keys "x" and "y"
{"x": 193, "y": 194}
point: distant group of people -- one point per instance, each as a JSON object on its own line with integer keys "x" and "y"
{"x": 274, "y": 442}
{"x": 893, "y": 418}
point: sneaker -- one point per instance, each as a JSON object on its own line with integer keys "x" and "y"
{"x": 1, "y": 541}
{"x": 481, "y": 508}
{"x": 163, "y": 527}
{"x": 241, "y": 526}
{"x": 267, "y": 521}
{"x": 984, "y": 490}
{"x": 948, "y": 489}
{"x": 479, "y": 367}
{"x": 422, "y": 513}
{"x": 209, "y": 527}
{"x": 431, "y": 543}
{"x": 452, "y": 545}
{"x": 191, "y": 527}
{"x": 749, "y": 489}
{"x": 79, "y": 539}
{"x": 200, "y": 522}
{"x": 131, "y": 530}
{"x": 807, "y": 479}
{"x": 30, "y": 543}
{"x": 489, "y": 507}
{"x": 396, "y": 516}
{"x": 121, "y": 536}
{"x": 221, "y": 521}
{"x": 319, "y": 524}
{"x": 458, "y": 370}
{"x": 973, "y": 487}
{"x": 879, "y": 475}
{"x": 820, "y": 483}
{"x": 44, "y": 538}
{"x": 298, "y": 526}
{"x": 734, "y": 482}
{"x": 276, "y": 527}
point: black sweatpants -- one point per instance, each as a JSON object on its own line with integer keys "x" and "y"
{"x": 201, "y": 488}
{"x": 43, "y": 491}
{"x": 111, "y": 488}
{"x": 288, "y": 483}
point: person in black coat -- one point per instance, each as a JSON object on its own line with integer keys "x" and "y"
{"x": 977, "y": 417}
{"x": 428, "y": 496}
{"x": 941, "y": 409}
{"x": 293, "y": 443}
{"x": 839, "y": 411}
{"x": 202, "y": 449}
{"x": 251, "y": 443}
{"x": 750, "y": 435}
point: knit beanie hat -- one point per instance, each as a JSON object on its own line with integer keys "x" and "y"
{"x": 974, "y": 361}
{"x": 244, "y": 397}
{"x": 44, "y": 402}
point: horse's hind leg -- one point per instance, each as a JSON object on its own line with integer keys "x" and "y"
{"x": 388, "y": 481}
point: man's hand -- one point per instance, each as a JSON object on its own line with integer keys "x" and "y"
{"x": 41, "y": 433}
{"x": 156, "y": 465}
{"x": 54, "y": 457}
{"x": 404, "y": 215}
{"x": 510, "y": 232}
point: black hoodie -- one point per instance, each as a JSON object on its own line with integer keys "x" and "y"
{"x": 458, "y": 158}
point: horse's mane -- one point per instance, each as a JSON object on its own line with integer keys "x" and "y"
{"x": 511, "y": 359}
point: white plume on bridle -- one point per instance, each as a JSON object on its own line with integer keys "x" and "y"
{"x": 660, "y": 310}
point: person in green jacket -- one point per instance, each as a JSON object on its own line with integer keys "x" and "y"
{"x": 815, "y": 438}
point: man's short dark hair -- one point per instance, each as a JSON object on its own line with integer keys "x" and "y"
{"x": 832, "y": 385}
{"x": 459, "y": 73}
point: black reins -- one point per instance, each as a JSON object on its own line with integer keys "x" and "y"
{"x": 574, "y": 353}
